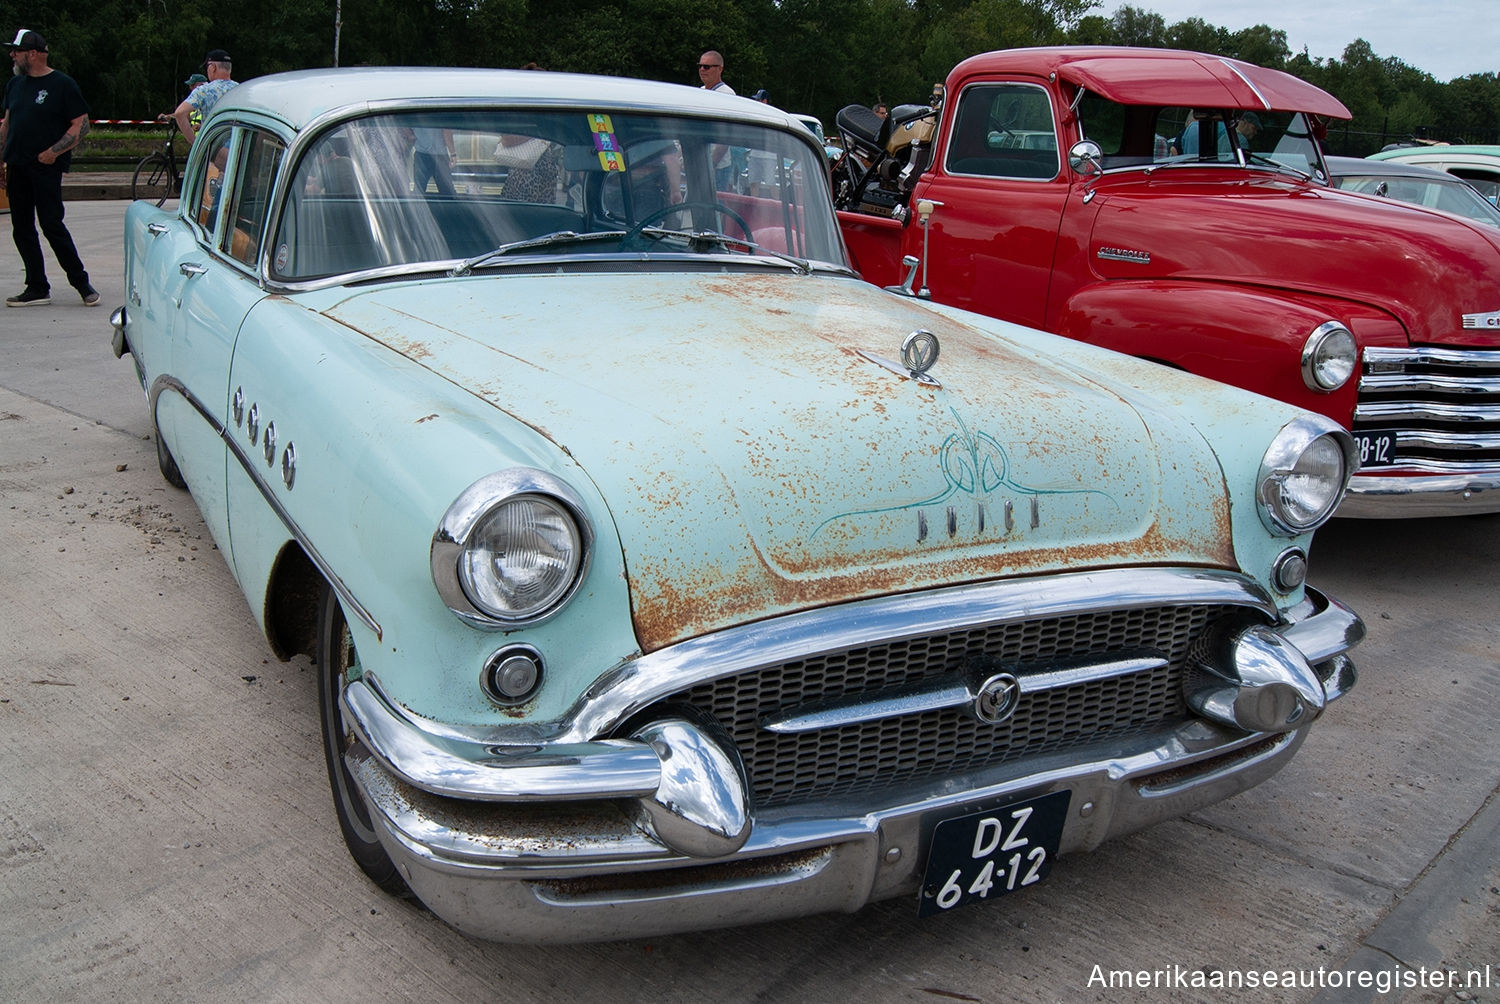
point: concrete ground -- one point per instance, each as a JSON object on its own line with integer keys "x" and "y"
{"x": 166, "y": 831}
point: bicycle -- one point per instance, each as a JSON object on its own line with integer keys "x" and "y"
{"x": 156, "y": 177}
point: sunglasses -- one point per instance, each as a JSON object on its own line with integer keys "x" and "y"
{"x": 708, "y": 66}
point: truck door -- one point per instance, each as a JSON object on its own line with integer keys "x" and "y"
{"x": 1003, "y": 190}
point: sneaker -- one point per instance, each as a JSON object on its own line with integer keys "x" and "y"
{"x": 90, "y": 296}
{"x": 32, "y": 298}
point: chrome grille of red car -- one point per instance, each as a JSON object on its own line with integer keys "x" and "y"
{"x": 790, "y": 768}
{"x": 1429, "y": 409}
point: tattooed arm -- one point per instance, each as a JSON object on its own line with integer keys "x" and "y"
{"x": 76, "y": 132}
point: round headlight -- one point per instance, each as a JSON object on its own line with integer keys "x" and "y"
{"x": 520, "y": 558}
{"x": 1303, "y": 475}
{"x": 511, "y": 549}
{"x": 1328, "y": 357}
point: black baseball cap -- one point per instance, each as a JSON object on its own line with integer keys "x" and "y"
{"x": 216, "y": 56}
{"x": 27, "y": 40}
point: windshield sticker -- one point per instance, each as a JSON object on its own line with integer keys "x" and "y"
{"x": 606, "y": 143}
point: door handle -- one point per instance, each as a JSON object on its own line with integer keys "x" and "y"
{"x": 190, "y": 268}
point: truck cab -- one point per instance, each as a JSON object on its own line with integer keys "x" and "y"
{"x": 1175, "y": 206}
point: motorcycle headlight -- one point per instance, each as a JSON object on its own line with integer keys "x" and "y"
{"x": 511, "y": 549}
{"x": 1303, "y": 475}
{"x": 1328, "y": 357}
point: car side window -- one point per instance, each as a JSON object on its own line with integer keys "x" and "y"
{"x": 259, "y": 157}
{"x": 1004, "y": 131}
{"x": 1487, "y": 183}
{"x": 201, "y": 203}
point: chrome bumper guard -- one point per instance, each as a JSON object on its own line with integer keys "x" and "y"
{"x": 625, "y": 838}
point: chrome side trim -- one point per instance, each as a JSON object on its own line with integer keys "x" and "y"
{"x": 352, "y": 606}
{"x": 1265, "y": 105}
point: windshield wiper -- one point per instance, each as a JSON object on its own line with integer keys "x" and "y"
{"x": 1260, "y": 158}
{"x": 699, "y": 239}
{"x": 554, "y": 239}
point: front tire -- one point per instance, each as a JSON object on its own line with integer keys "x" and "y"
{"x": 338, "y": 662}
{"x": 168, "y": 464}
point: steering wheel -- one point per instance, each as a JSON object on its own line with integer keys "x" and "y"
{"x": 718, "y": 208}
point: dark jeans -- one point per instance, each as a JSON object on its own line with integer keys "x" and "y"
{"x": 35, "y": 192}
{"x": 425, "y": 166}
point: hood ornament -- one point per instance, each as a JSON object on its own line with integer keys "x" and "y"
{"x": 919, "y": 352}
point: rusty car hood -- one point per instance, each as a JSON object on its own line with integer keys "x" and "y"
{"x": 1425, "y": 267}
{"x": 757, "y": 458}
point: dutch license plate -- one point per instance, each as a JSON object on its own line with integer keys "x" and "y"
{"x": 992, "y": 853}
{"x": 1375, "y": 449}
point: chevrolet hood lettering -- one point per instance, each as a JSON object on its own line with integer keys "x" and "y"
{"x": 1490, "y": 320}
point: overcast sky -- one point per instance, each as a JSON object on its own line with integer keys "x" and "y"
{"x": 1447, "y": 38}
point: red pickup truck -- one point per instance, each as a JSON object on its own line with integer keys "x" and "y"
{"x": 1175, "y": 206}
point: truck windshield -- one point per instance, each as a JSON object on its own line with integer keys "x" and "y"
{"x": 1134, "y": 136}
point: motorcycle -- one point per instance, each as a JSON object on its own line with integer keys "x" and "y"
{"x": 883, "y": 157}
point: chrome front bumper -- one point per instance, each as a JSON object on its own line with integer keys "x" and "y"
{"x": 1383, "y": 496}
{"x": 595, "y": 840}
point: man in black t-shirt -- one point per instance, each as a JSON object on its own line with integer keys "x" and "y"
{"x": 45, "y": 117}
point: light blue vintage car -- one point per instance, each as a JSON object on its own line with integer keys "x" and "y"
{"x": 660, "y": 573}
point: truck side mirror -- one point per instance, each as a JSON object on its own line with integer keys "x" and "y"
{"x": 1086, "y": 158}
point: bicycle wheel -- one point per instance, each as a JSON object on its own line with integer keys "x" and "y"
{"x": 152, "y": 181}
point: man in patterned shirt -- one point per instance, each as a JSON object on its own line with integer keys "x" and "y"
{"x": 201, "y": 99}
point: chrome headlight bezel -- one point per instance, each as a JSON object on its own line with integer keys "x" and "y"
{"x": 1286, "y": 507}
{"x": 467, "y": 517}
{"x": 1330, "y": 357}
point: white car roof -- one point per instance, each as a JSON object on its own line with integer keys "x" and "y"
{"x": 303, "y": 96}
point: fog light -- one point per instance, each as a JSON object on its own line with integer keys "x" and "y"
{"x": 1290, "y": 569}
{"x": 512, "y": 675}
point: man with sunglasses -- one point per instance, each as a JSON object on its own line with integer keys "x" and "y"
{"x": 711, "y": 72}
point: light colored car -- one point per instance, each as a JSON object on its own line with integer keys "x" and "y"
{"x": 1420, "y": 186}
{"x": 1478, "y": 164}
{"x": 662, "y": 574}
{"x": 831, "y": 148}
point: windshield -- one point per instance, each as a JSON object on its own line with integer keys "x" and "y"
{"x": 427, "y": 187}
{"x": 1136, "y": 136}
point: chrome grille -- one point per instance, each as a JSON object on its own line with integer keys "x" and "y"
{"x": 1429, "y": 409}
{"x": 790, "y": 768}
